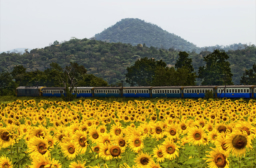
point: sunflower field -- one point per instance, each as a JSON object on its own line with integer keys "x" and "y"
{"x": 178, "y": 133}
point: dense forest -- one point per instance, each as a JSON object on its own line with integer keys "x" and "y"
{"x": 136, "y": 31}
{"x": 110, "y": 60}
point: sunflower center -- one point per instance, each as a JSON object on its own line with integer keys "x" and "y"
{"x": 5, "y": 136}
{"x": 210, "y": 128}
{"x": 239, "y": 142}
{"x": 183, "y": 127}
{"x": 6, "y": 165}
{"x": 71, "y": 149}
{"x": 118, "y": 131}
{"x": 96, "y": 149}
{"x": 50, "y": 143}
{"x": 137, "y": 142}
{"x": 159, "y": 154}
{"x": 122, "y": 143}
{"x": 106, "y": 141}
{"x": 42, "y": 148}
{"x": 197, "y": 136}
{"x": 115, "y": 151}
{"x": 102, "y": 130}
{"x": 42, "y": 166}
{"x": 223, "y": 146}
{"x": 214, "y": 137}
{"x": 172, "y": 132}
{"x": 202, "y": 124}
{"x": 170, "y": 150}
{"x": 82, "y": 142}
{"x": 158, "y": 130}
{"x": 39, "y": 134}
{"x": 222, "y": 129}
{"x": 95, "y": 135}
{"x": 60, "y": 138}
{"x": 144, "y": 160}
{"x": 220, "y": 160}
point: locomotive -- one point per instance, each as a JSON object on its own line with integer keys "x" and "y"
{"x": 228, "y": 91}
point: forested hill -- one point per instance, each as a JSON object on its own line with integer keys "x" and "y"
{"x": 110, "y": 60}
{"x": 136, "y": 31}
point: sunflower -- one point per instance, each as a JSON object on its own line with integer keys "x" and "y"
{"x": 81, "y": 139}
{"x": 5, "y": 162}
{"x": 221, "y": 127}
{"x": 136, "y": 143}
{"x": 77, "y": 165}
{"x": 39, "y": 131}
{"x": 196, "y": 135}
{"x": 40, "y": 161}
{"x": 104, "y": 138}
{"x": 143, "y": 160}
{"x": 245, "y": 126}
{"x": 213, "y": 135}
{"x": 55, "y": 163}
{"x": 94, "y": 134}
{"x": 121, "y": 142}
{"x": 217, "y": 158}
{"x": 104, "y": 152}
{"x": 69, "y": 149}
{"x": 7, "y": 136}
{"x": 38, "y": 146}
{"x": 51, "y": 141}
{"x": 116, "y": 130}
{"x": 158, "y": 154}
{"x": 238, "y": 141}
{"x": 170, "y": 149}
{"x": 102, "y": 129}
{"x": 221, "y": 143}
{"x": 116, "y": 151}
{"x": 172, "y": 131}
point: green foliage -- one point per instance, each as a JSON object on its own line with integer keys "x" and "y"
{"x": 143, "y": 71}
{"x": 209, "y": 95}
{"x": 216, "y": 66}
{"x": 249, "y": 76}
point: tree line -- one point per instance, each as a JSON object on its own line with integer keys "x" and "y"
{"x": 145, "y": 72}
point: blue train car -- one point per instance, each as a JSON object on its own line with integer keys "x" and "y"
{"x": 137, "y": 91}
{"x": 82, "y": 91}
{"x": 52, "y": 91}
{"x": 235, "y": 91}
{"x": 166, "y": 91}
{"x": 198, "y": 91}
{"x": 107, "y": 91}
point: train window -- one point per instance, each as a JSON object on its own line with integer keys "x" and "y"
{"x": 247, "y": 90}
{"x": 235, "y": 90}
{"x": 232, "y": 90}
{"x": 238, "y": 90}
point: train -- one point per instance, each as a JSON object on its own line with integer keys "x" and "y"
{"x": 220, "y": 91}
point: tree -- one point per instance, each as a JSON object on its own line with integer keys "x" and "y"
{"x": 69, "y": 96}
{"x": 91, "y": 80}
{"x": 18, "y": 73}
{"x": 216, "y": 65}
{"x": 249, "y": 76}
{"x": 142, "y": 72}
{"x": 185, "y": 62}
{"x": 56, "y": 42}
{"x": 7, "y": 85}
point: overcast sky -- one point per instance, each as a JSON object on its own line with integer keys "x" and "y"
{"x": 36, "y": 24}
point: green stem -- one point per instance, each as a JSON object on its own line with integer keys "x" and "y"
{"x": 239, "y": 162}
{"x": 92, "y": 151}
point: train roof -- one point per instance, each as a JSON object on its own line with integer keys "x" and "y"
{"x": 204, "y": 86}
{"x": 29, "y": 87}
{"x": 236, "y": 86}
{"x": 53, "y": 88}
{"x": 82, "y": 87}
{"x": 107, "y": 87}
{"x": 166, "y": 87}
{"x": 138, "y": 87}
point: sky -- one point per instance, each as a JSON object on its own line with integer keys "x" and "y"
{"x": 35, "y": 24}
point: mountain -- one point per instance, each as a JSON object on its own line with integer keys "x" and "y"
{"x": 136, "y": 31}
{"x": 110, "y": 60}
{"x": 17, "y": 50}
